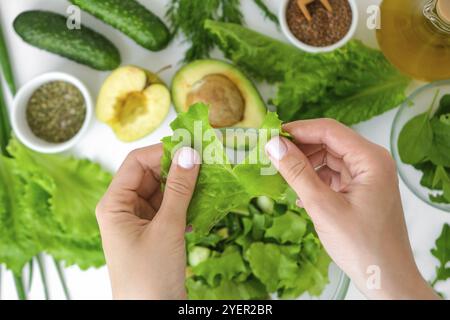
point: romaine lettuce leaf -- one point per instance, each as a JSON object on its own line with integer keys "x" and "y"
{"x": 352, "y": 84}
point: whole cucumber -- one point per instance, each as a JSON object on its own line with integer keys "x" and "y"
{"x": 48, "y": 31}
{"x": 130, "y": 17}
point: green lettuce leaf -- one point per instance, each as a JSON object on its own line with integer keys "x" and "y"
{"x": 75, "y": 187}
{"x": 227, "y": 266}
{"x": 310, "y": 277}
{"x": 289, "y": 227}
{"x": 47, "y": 204}
{"x": 244, "y": 246}
{"x": 271, "y": 265}
{"x": 251, "y": 289}
{"x": 221, "y": 187}
{"x": 52, "y": 237}
{"x": 289, "y": 270}
{"x": 352, "y": 84}
{"x": 16, "y": 245}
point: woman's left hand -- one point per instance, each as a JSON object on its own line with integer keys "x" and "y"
{"x": 143, "y": 228}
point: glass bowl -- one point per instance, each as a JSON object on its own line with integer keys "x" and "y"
{"x": 337, "y": 287}
{"x": 417, "y": 103}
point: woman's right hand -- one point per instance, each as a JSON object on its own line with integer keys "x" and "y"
{"x": 354, "y": 202}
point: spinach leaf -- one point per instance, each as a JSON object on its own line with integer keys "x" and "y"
{"x": 442, "y": 252}
{"x": 444, "y": 106}
{"x": 443, "y": 179}
{"x": 440, "y": 150}
{"x": 414, "y": 142}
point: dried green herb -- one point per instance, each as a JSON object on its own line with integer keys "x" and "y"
{"x": 56, "y": 111}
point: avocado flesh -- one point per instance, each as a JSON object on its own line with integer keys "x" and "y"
{"x": 187, "y": 77}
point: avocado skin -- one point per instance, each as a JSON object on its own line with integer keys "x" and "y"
{"x": 131, "y": 18}
{"x": 48, "y": 31}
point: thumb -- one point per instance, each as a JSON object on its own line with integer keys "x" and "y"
{"x": 180, "y": 186}
{"x": 296, "y": 169}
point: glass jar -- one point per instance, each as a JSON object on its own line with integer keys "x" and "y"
{"x": 415, "y": 36}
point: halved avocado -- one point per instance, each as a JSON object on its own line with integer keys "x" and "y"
{"x": 232, "y": 98}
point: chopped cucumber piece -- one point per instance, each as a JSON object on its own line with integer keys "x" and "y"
{"x": 265, "y": 204}
{"x": 197, "y": 255}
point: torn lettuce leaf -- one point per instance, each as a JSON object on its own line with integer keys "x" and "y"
{"x": 227, "y": 290}
{"x": 222, "y": 187}
{"x": 271, "y": 265}
{"x": 310, "y": 277}
{"x": 226, "y": 266}
{"x": 287, "y": 269}
{"x": 352, "y": 84}
{"x": 289, "y": 227}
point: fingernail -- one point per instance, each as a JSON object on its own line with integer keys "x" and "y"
{"x": 299, "y": 203}
{"x": 187, "y": 158}
{"x": 189, "y": 229}
{"x": 276, "y": 148}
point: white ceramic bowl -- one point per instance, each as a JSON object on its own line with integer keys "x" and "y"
{"x": 19, "y": 120}
{"x": 312, "y": 49}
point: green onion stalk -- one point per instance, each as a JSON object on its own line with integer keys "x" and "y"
{"x": 5, "y": 136}
{"x": 42, "y": 271}
{"x": 62, "y": 278}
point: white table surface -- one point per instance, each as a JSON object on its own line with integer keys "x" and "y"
{"x": 424, "y": 222}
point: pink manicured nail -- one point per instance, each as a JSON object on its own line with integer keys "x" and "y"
{"x": 299, "y": 203}
{"x": 189, "y": 229}
{"x": 276, "y": 148}
{"x": 187, "y": 158}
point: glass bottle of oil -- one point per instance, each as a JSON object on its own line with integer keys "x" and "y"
{"x": 415, "y": 36}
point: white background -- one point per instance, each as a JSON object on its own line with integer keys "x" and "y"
{"x": 424, "y": 222}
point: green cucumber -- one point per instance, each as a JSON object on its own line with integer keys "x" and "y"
{"x": 48, "y": 31}
{"x": 131, "y": 18}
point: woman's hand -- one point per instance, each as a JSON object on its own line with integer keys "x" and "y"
{"x": 143, "y": 229}
{"x": 354, "y": 201}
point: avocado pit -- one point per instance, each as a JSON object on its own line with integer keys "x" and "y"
{"x": 225, "y": 100}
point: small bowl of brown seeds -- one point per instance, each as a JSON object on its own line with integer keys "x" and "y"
{"x": 318, "y": 26}
{"x": 51, "y": 112}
